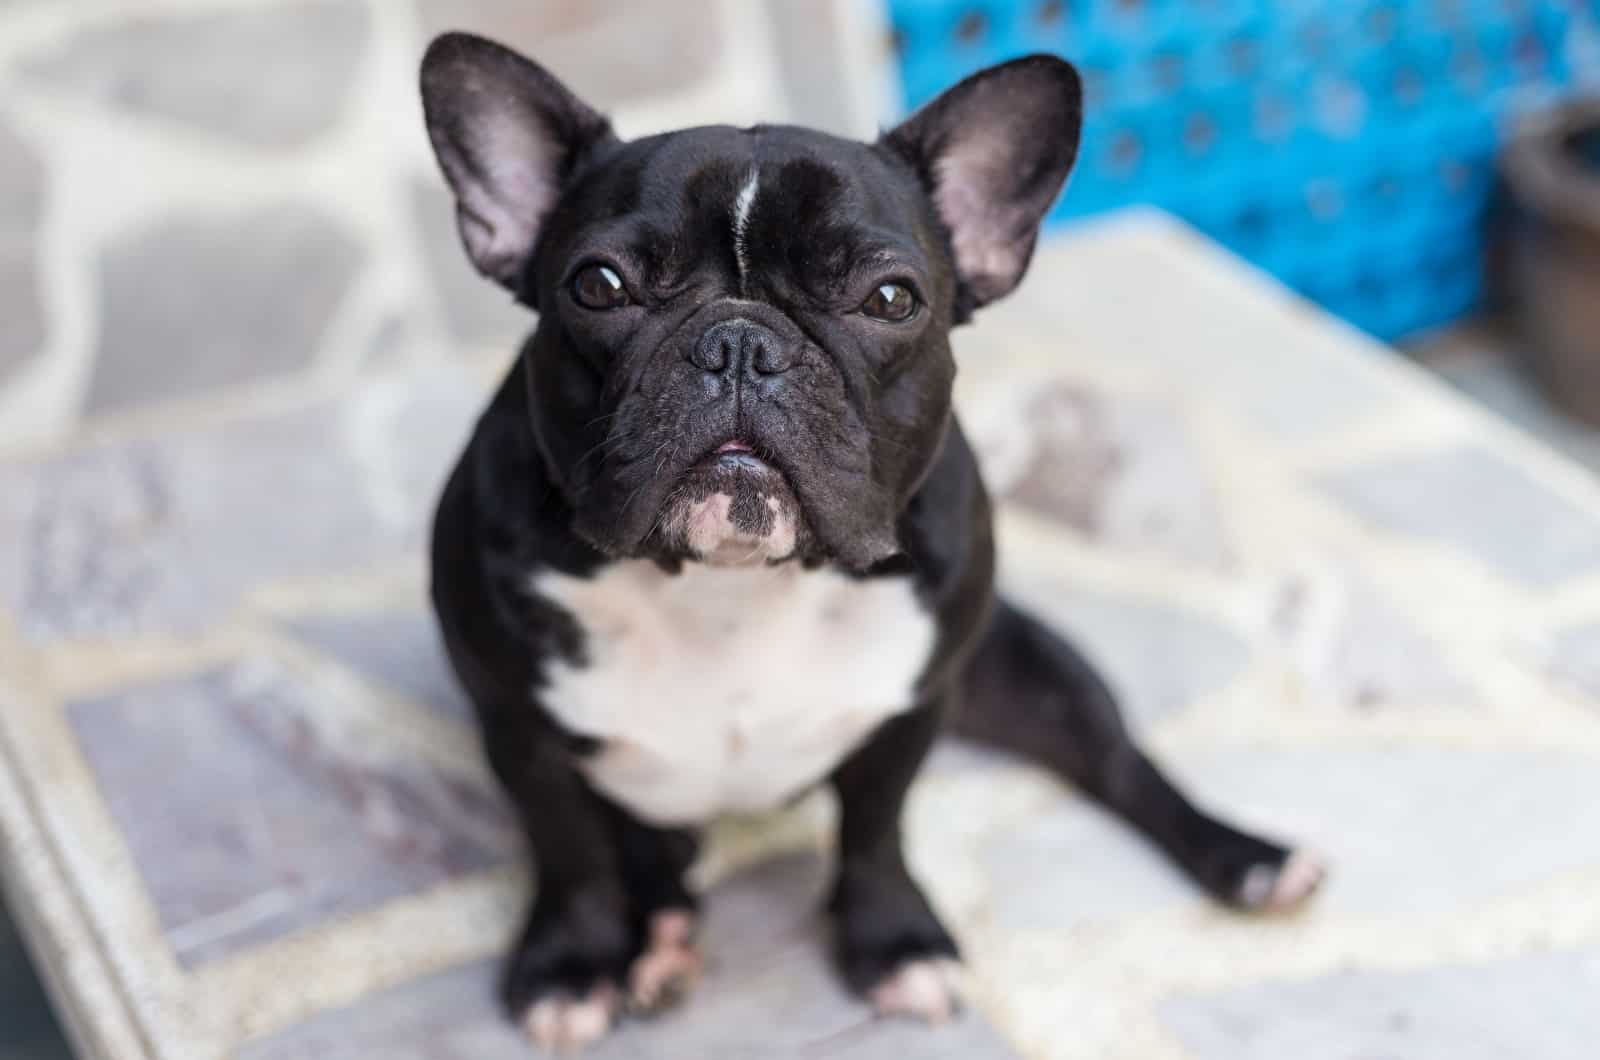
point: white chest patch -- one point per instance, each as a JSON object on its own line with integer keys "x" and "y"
{"x": 729, "y": 689}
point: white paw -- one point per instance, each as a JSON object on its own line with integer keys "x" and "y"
{"x": 1276, "y": 890}
{"x": 565, "y": 1024}
{"x": 928, "y": 990}
{"x": 669, "y": 966}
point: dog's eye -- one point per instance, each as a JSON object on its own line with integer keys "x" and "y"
{"x": 892, "y": 302}
{"x": 599, "y": 287}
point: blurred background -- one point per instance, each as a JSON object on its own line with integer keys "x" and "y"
{"x": 205, "y": 198}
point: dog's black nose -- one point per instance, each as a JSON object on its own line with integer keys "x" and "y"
{"x": 742, "y": 345}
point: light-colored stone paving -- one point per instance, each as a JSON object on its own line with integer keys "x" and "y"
{"x": 242, "y": 808}
{"x": 245, "y": 806}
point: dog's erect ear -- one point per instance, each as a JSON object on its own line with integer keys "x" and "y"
{"x": 993, "y": 152}
{"x": 507, "y": 135}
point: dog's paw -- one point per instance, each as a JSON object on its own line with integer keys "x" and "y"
{"x": 1283, "y": 885}
{"x": 562, "y": 983}
{"x": 564, "y": 1024}
{"x": 667, "y": 970}
{"x": 892, "y": 949}
{"x": 928, "y": 989}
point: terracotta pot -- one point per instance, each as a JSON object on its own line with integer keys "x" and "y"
{"x": 1549, "y": 252}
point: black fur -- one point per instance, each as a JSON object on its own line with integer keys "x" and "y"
{"x": 603, "y": 423}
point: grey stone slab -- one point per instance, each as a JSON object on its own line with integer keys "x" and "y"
{"x": 22, "y": 184}
{"x": 1120, "y": 470}
{"x": 1075, "y": 865}
{"x": 399, "y": 650}
{"x": 1423, "y": 831}
{"x": 1480, "y": 502}
{"x": 769, "y": 991}
{"x": 1377, "y": 657}
{"x": 22, "y": 191}
{"x": 251, "y": 814}
{"x": 478, "y": 312}
{"x": 271, "y": 77}
{"x": 1408, "y": 832}
{"x": 167, "y": 535}
{"x": 1353, "y": 646}
{"x": 23, "y": 333}
{"x": 610, "y": 53}
{"x": 1159, "y": 658}
{"x": 1540, "y": 1006}
{"x": 193, "y": 302}
{"x": 1572, "y": 656}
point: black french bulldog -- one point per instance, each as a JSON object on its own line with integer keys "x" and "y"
{"x": 719, "y": 539}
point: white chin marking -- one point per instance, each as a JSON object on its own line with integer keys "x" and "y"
{"x": 669, "y": 967}
{"x": 710, "y": 533}
{"x": 1285, "y": 888}
{"x": 564, "y": 1024}
{"x": 927, "y": 990}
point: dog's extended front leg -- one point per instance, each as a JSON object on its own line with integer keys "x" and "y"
{"x": 891, "y": 946}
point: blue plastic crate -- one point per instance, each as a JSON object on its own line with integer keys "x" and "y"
{"x": 1347, "y": 146}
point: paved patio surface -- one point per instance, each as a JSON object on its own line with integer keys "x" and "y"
{"x": 1344, "y": 604}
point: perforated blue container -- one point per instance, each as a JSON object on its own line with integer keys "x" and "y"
{"x": 1346, "y": 146}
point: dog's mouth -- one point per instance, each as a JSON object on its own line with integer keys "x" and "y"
{"x": 736, "y": 457}
{"x": 735, "y": 505}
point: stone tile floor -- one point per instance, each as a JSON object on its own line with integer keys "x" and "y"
{"x": 1255, "y": 554}
{"x": 1178, "y": 582}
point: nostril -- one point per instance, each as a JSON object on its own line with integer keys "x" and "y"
{"x": 770, "y": 359}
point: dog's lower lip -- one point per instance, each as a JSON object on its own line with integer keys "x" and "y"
{"x": 734, "y": 445}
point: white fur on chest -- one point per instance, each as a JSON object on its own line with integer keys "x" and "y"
{"x": 720, "y": 690}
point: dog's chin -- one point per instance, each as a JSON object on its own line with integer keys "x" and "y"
{"x": 734, "y": 509}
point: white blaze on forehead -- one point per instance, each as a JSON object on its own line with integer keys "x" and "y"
{"x": 741, "y": 218}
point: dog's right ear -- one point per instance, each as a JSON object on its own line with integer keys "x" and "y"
{"x": 507, "y": 135}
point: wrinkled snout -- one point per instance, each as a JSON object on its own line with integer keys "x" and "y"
{"x": 743, "y": 347}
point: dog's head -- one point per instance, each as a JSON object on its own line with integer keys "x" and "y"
{"x": 743, "y": 341}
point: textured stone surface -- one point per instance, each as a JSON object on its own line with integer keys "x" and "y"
{"x": 1352, "y": 646}
{"x": 769, "y": 992}
{"x": 1478, "y": 501}
{"x": 167, "y": 535}
{"x": 1120, "y": 470}
{"x": 1540, "y": 1006}
{"x": 270, "y": 77}
{"x": 1421, "y": 832}
{"x": 399, "y": 650}
{"x": 615, "y": 53}
{"x": 194, "y": 302}
{"x": 1404, "y": 830}
{"x": 21, "y": 202}
{"x": 479, "y": 312}
{"x": 21, "y": 184}
{"x": 1450, "y": 831}
{"x": 252, "y": 810}
{"x": 1572, "y": 656}
{"x": 1098, "y": 870}
{"x": 1158, "y": 658}
{"x": 20, "y": 308}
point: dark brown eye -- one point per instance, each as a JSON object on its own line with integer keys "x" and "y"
{"x": 599, "y": 287}
{"x": 892, "y": 302}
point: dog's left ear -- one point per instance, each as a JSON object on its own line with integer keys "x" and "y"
{"x": 508, "y": 135}
{"x": 993, "y": 152}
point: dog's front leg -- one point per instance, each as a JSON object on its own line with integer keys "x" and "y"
{"x": 562, "y": 980}
{"x": 891, "y": 946}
